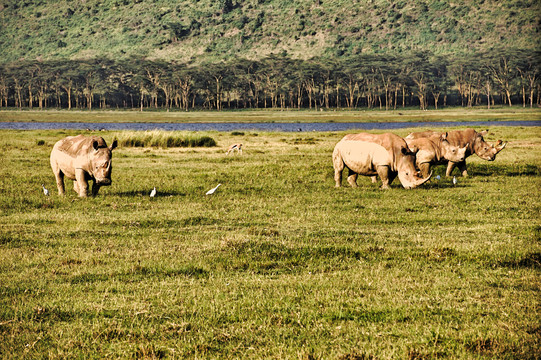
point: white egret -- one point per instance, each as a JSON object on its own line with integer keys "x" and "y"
{"x": 211, "y": 191}
{"x": 45, "y": 191}
{"x": 153, "y": 192}
{"x": 454, "y": 180}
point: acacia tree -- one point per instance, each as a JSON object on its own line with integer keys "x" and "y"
{"x": 421, "y": 77}
{"x": 351, "y": 80}
{"x": 68, "y": 75}
{"x": 139, "y": 81}
{"x": 183, "y": 78}
{"x": 503, "y": 72}
{"x": 4, "y": 89}
{"x": 92, "y": 76}
{"x": 439, "y": 79}
{"x": 529, "y": 67}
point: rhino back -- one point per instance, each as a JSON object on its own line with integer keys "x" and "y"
{"x": 428, "y": 150}
{"x": 422, "y": 134}
{"x": 79, "y": 145}
{"x": 72, "y": 152}
{"x": 461, "y": 137}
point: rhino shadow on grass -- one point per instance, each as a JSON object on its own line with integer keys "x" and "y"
{"x": 491, "y": 169}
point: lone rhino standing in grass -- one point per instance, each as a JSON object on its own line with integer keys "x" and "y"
{"x": 82, "y": 158}
{"x": 474, "y": 142}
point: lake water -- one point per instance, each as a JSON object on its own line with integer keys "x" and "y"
{"x": 226, "y": 127}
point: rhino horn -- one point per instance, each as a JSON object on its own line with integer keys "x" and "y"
{"x": 422, "y": 181}
{"x": 500, "y": 146}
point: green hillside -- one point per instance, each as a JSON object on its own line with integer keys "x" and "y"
{"x": 198, "y": 31}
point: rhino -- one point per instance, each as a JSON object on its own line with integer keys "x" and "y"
{"x": 435, "y": 150}
{"x": 386, "y": 155}
{"x": 82, "y": 158}
{"x": 474, "y": 142}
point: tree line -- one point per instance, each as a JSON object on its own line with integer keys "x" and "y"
{"x": 420, "y": 79}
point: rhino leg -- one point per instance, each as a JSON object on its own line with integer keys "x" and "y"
{"x": 352, "y": 178}
{"x": 338, "y": 176}
{"x": 95, "y": 189}
{"x": 338, "y": 165}
{"x": 82, "y": 183}
{"x": 374, "y": 179}
{"x": 75, "y": 186}
{"x": 59, "y": 176}
{"x": 60, "y": 182}
{"x": 425, "y": 169}
{"x": 450, "y": 168}
{"x": 462, "y": 167}
{"x": 385, "y": 176}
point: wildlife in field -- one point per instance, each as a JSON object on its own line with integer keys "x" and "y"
{"x": 235, "y": 147}
{"x": 213, "y": 190}
{"x": 82, "y": 159}
{"x": 389, "y": 159}
{"x": 435, "y": 150}
{"x": 469, "y": 138}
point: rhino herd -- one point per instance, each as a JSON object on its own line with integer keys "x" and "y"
{"x": 88, "y": 158}
{"x": 388, "y": 155}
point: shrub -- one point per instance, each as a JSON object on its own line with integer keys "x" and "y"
{"x": 164, "y": 139}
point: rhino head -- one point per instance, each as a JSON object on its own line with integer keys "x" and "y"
{"x": 408, "y": 175}
{"x": 100, "y": 160}
{"x": 451, "y": 152}
{"x": 485, "y": 150}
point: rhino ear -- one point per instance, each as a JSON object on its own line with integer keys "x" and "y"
{"x": 95, "y": 145}
{"x": 410, "y": 151}
{"x": 113, "y": 145}
{"x": 483, "y": 133}
{"x": 444, "y": 136}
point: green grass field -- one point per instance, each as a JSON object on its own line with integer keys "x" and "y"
{"x": 278, "y": 264}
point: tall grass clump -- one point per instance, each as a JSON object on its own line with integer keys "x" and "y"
{"x": 163, "y": 139}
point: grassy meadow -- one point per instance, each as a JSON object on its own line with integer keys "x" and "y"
{"x": 277, "y": 264}
{"x": 449, "y": 114}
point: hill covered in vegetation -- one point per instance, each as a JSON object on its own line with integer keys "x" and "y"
{"x": 198, "y": 31}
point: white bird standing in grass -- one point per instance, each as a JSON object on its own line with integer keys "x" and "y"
{"x": 454, "y": 180}
{"x": 153, "y": 192}
{"x": 45, "y": 191}
{"x": 211, "y": 191}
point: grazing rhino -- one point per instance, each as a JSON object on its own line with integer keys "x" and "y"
{"x": 81, "y": 159}
{"x": 434, "y": 151}
{"x": 475, "y": 145}
{"x": 386, "y": 155}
